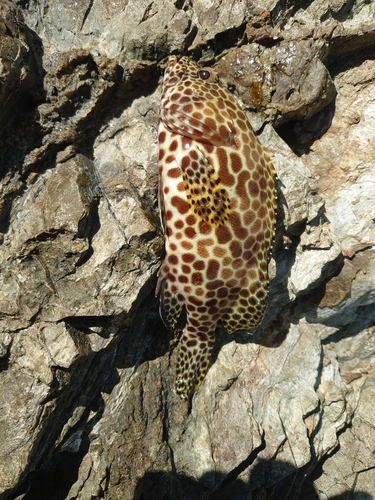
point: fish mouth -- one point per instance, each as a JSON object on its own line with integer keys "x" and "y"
{"x": 177, "y": 68}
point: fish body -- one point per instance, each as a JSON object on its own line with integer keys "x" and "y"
{"x": 218, "y": 202}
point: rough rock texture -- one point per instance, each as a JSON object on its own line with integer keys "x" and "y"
{"x": 87, "y": 405}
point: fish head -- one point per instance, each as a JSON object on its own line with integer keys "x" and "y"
{"x": 194, "y": 104}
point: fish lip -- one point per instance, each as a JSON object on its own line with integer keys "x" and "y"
{"x": 172, "y": 61}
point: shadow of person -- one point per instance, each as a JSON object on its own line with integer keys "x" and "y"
{"x": 266, "y": 482}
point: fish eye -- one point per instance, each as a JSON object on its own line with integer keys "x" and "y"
{"x": 204, "y": 74}
{"x": 207, "y": 74}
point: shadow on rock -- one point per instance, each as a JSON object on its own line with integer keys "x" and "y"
{"x": 263, "y": 484}
{"x": 76, "y": 395}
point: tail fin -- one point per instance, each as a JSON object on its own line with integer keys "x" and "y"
{"x": 194, "y": 358}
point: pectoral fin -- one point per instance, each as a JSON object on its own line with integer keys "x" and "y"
{"x": 205, "y": 192}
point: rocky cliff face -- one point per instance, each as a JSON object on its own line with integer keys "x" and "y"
{"x": 87, "y": 406}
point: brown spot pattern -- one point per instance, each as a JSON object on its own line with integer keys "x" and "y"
{"x": 218, "y": 208}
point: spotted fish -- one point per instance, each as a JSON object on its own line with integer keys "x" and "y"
{"x": 217, "y": 199}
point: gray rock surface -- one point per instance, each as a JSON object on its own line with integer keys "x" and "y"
{"x": 86, "y": 382}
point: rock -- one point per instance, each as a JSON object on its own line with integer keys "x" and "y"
{"x": 347, "y": 160}
{"x": 288, "y": 79}
{"x": 16, "y": 60}
{"x": 86, "y": 364}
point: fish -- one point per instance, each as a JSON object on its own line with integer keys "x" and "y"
{"x": 217, "y": 199}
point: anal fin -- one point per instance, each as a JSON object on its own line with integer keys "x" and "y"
{"x": 170, "y": 303}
